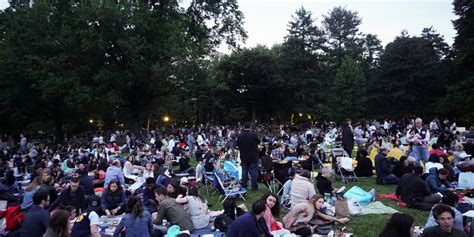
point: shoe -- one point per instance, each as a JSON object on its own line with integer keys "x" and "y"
{"x": 372, "y": 192}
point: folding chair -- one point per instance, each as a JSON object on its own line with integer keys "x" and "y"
{"x": 228, "y": 189}
{"x": 208, "y": 180}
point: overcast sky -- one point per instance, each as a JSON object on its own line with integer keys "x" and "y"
{"x": 266, "y": 20}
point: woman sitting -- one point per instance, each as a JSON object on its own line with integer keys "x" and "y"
{"x": 308, "y": 218}
{"x": 272, "y": 212}
{"x": 197, "y": 210}
{"x": 399, "y": 225}
{"x": 403, "y": 166}
{"x": 137, "y": 222}
{"x": 58, "y": 224}
{"x": 364, "y": 164}
{"x": 149, "y": 171}
{"x": 113, "y": 199}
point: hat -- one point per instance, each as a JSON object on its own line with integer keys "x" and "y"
{"x": 94, "y": 203}
{"x": 464, "y": 155}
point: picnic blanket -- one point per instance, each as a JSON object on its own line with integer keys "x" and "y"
{"x": 377, "y": 208}
{"x": 393, "y": 197}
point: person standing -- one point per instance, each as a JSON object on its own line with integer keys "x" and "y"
{"x": 247, "y": 142}
{"x": 348, "y": 137}
{"x": 419, "y": 140}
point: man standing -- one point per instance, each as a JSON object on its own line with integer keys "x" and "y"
{"x": 247, "y": 143}
{"x": 420, "y": 141}
{"x": 348, "y": 137}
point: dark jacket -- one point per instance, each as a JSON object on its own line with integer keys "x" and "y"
{"x": 399, "y": 169}
{"x": 347, "y": 135}
{"x": 383, "y": 167}
{"x": 247, "y": 225}
{"x": 436, "y": 231}
{"x": 76, "y": 199}
{"x": 248, "y": 146}
{"x": 364, "y": 167}
{"x": 35, "y": 223}
{"x": 323, "y": 184}
{"x": 412, "y": 188}
{"x": 86, "y": 182}
{"x": 112, "y": 200}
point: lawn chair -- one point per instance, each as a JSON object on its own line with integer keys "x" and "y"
{"x": 208, "y": 180}
{"x": 228, "y": 189}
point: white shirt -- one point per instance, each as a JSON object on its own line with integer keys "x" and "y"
{"x": 430, "y": 165}
{"x": 94, "y": 218}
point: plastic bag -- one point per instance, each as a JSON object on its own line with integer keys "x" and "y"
{"x": 354, "y": 207}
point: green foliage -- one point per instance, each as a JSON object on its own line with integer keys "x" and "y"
{"x": 66, "y": 61}
{"x": 458, "y": 101}
{"x": 349, "y": 93}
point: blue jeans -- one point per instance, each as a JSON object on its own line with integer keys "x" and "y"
{"x": 202, "y": 231}
{"x": 420, "y": 153}
{"x": 252, "y": 168}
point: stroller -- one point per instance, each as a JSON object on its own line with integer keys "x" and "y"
{"x": 342, "y": 164}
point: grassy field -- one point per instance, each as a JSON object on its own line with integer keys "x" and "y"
{"x": 368, "y": 225}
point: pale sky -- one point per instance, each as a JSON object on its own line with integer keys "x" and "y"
{"x": 266, "y": 20}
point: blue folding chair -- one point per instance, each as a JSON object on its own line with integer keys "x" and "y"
{"x": 228, "y": 189}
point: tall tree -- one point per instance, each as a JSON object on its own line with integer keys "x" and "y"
{"x": 349, "y": 96}
{"x": 341, "y": 28}
{"x": 411, "y": 78}
{"x": 460, "y": 96}
{"x": 300, "y": 58}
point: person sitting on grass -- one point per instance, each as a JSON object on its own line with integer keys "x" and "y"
{"x": 136, "y": 222}
{"x": 364, "y": 166}
{"x": 452, "y": 200}
{"x": 323, "y": 183}
{"x": 437, "y": 182}
{"x": 171, "y": 211}
{"x": 301, "y": 188}
{"x": 251, "y": 223}
{"x": 197, "y": 210}
{"x": 272, "y": 211}
{"x": 383, "y": 168}
{"x": 399, "y": 225}
{"x": 412, "y": 189}
{"x": 444, "y": 216}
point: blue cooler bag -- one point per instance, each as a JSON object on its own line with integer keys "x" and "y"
{"x": 358, "y": 194}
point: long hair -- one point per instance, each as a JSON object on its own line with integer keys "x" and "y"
{"x": 119, "y": 188}
{"x": 37, "y": 181}
{"x": 193, "y": 191}
{"x": 276, "y": 208}
{"x": 398, "y": 225}
{"x": 59, "y": 223}
{"x": 135, "y": 207}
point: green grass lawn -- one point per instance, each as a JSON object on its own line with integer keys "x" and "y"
{"x": 368, "y": 225}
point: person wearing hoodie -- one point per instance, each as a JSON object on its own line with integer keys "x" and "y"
{"x": 437, "y": 182}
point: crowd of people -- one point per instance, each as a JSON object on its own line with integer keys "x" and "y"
{"x": 149, "y": 181}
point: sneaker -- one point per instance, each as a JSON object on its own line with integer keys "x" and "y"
{"x": 372, "y": 192}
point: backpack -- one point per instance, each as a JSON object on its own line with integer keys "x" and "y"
{"x": 222, "y": 223}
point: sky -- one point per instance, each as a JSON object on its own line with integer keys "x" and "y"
{"x": 266, "y": 20}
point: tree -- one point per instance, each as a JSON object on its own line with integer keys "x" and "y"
{"x": 300, "y": 60}
{"x": 252, "y": 81}
{"x": 460, "y": 94}
{"x": 341, "y": 28}
{"x": 116, "y": 60}
{"x": 349, "y": 96}
{"x": 411, "y": 78}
